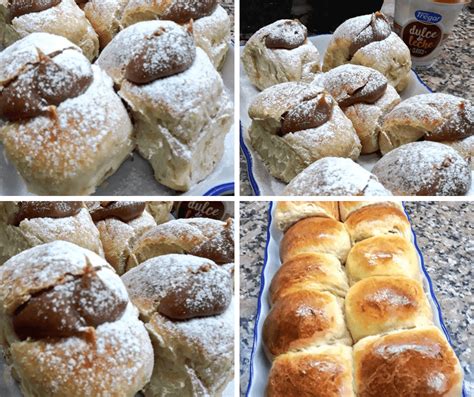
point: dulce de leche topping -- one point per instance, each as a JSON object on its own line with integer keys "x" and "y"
{"x": 68, "y": 309}
{"x": 182, "y": 11}
{"x": 22, "y": 7}
{"x": 286, "y": 35}
{"x": 378, "y": 29}
{"x": 44, "y": 209}
{"x": 459, "y": 125}
{"x": 123, "y": 210}
{"x": 310, "y": 113}
{"x": 165, "y": 53}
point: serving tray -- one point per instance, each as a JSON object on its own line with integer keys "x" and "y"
{"x": 261, "y": 181}
{"x": 259, "y": 364}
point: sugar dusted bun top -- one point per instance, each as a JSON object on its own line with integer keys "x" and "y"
{"x": 182, "y": 11}
{"x": 286, "y": 34}
{"x": 123, "y": 210}
{"x": 22, "y": 7}
{"x": 377, "y": 28}
{"x": 44, "y": 209}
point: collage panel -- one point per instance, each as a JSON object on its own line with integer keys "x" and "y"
{"x": 366, "y": 298}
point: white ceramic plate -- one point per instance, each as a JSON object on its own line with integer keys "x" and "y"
{"x": 135, "y": 176}
{"x": 259, "y": 365}
{"x": 261, "y": 181}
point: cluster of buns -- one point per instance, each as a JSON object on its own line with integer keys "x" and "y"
{"x": 304, "y": 122}
{"x": 64, "y": 123}
{"x": 349, "y": 315}
{"x": 150, "y": 310}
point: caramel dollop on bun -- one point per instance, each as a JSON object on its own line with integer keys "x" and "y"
{"x": 44, "y": 209}
{"x": 183, "y": 11}
{"x": 123, "y": 210}
{"x": 22, "y": 7}
{"x": 166, "y": 52}
{"x": 68, "y": 309}
{"x": 378, "y": 29}
{"x": 286, "y": 34}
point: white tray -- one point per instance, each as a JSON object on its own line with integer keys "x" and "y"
{"x": 261, "y": 181}
{"x": 259, "y": 364}
{"x": 135, "y": 175}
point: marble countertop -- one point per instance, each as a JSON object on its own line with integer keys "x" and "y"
{"x": 445, "y": 232}
{"x": 451, "y": 73}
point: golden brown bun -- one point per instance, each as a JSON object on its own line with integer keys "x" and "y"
{"x": 289, "y": 212}
{"x": 346, "y": 208}
{"x": 318, "y": 271}
{"x": 379, "y": 304}
{"x": 386, "y": 255}
{"x": 325, "y": 371}
{"x": 418, "y": 362}
{"x": 377, "y": 220}
{"x": 321, "y": 235}
{"x": 303, "y": 319}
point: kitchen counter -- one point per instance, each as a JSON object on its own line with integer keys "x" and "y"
{"x": 451, "y": 73}
{"x": 445, "y": 233}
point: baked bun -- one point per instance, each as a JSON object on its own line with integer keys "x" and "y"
{"x": 316, "y": 271}
{"x": 384, "y": 255}
{"x": 346, "y": 208}
{"x": 71, "y": 131}
{"x": 368, "y": 40}
{"x": 180, "y": 107}
{"x": 375, "y": 220}
{"x": 434, "y": 117}
{"x": 204, "y": 237}
{"x": 417, "y": 362}
{"x": 364, "y": 96}
{"x": 294, "y": 125}
{"x": 68, "y": 327}
{"x": 376, "y": 305}
{"x": 287, "y": 213}
{"x": 465, "y": 148}
{"x": 335, "y": 176}
{"x": 324, "y": 371}
{"x": 185, "y": 302}
{"x": 26, "y": 224}
{"x": 120, "y": 224}
{"x": 315, "y": 235}
{"x": 160, "y": 210}
{"x": 303, "y": 319}
{"x": 279, "y": 53}
{"x": 424, "y": 169}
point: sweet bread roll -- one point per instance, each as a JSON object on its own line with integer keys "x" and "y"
{"x": 424, "y": 169}
{"x": 59, "y": 17}
{"x": 71, "y": 131}
{"x": 26, "y": 224}
{"x": 303, "y": 319}
{"x": 346, "y": 208}
{"x": 324, "y": 371}
{"x": 120, "y": 224}
{"x": 316, "y": 271}
{"x": 376, "y": 220}
{"x": 384, "y": 255}
{"x": 68, "y": 327}
{"x": 186, "y": 304}
{"x": 279, "y": 53}
{"x": 465, "y": 148}
{"x": 376, "y": 305}
{"x": 364, "y": 96}
{"x": 160, "y": 210}
{"x": 417, "y": 362}
{"x": 368, "y": 40}
{"x": 434, "y": 117}
{"x": 316, "y": 235}
{"x": 335, "y": 176}
{"x": 180, "y": 107}
{"x": 294, "y": 125}
{"x": 204, "y": 237}
{"x": 287, "y": 213}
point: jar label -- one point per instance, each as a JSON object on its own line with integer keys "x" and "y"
{"x": 422, "y": 38}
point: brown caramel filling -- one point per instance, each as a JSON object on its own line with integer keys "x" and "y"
{"x": 184, "y": 11}
{"x": 123, "y": 210}
{"x": 368, "y": 91}
{"x": 69, "y": 309}
{"x": 310, "y": 113}
{"x": 286, "y": 35}
{"x": 165, "y": 53}
{"x": 377, "y": 30}
{"x": 218, "y": 248}
{"x": 459, "y": 126}
{"x": 22, "y": 7}
{"x": 44, "y": 209}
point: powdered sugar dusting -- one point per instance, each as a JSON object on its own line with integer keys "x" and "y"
{"x": 388, "y": 296}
